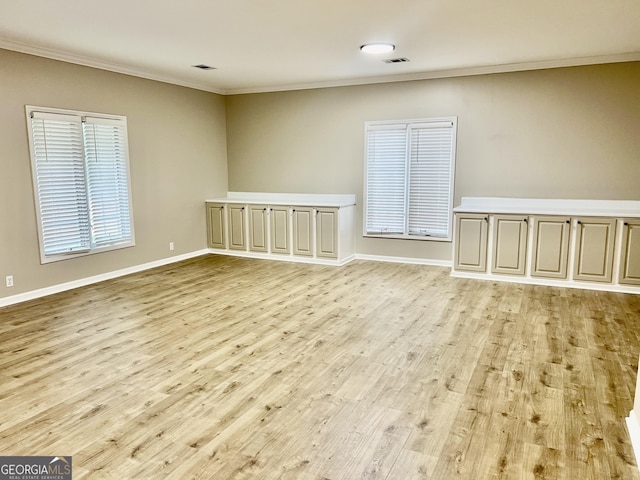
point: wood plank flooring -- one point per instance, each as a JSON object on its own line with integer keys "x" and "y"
{"x": 230, "y": 368}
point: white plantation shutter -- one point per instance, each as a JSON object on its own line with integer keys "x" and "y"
{"x": 431, "y": 150}
{"x": 409, "y": 178}
{"x": 81, "y": 182}
{"x": 386, "y": 179}
{"x": 107, "y": 180}
{"x": 60, "y": 183}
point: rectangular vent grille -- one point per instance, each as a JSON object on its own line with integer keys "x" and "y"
{"x": 396, "y": 60}
{"x": 204, "y": 67}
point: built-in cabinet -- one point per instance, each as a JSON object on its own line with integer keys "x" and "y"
{"x": 258, "y": 228}
{"x": 510, "y": 244}
{"x": 470, "y": 249}
{"x": 216, "y": 231}
{"x": 594, "y": 249}
{"x": 302, "y": 231}
{"x": 630, "y": 254}
{"x": 326, "y": 232}
{"x": 594, "y": 245}
{"x": 319, "y": 232}
{"x": 237, "y": 227}
{"x": 550, "y": 246}
{"x": 280, "y": 230}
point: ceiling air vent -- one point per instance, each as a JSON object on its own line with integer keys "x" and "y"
{"x": 203, "y": 67}
{"x": 396, "y": 60}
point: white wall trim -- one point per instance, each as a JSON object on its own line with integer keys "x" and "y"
{"x": 84, "y": 61}
{"x": 54, "y": 54}
{"x": 282, "y": 257}
{"x": 43, "y": 292}
{"x": 634, "y": 434}
{"x": 322, "y": 261}
{"x": 447, "y": 73}
{"x": 548, "y": 282}
{"x": 410, "y": 260}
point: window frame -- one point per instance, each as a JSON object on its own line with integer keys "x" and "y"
{"x": 408, "y": 125}
{"x": 100, "y": 117}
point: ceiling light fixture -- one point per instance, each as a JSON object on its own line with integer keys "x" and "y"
{"x": 377, "y": 48}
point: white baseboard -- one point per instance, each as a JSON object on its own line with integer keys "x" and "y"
{"x": 549, "y": 282}
{"x": 43, "y": 292}
{"x": 282, "y": 257}
{"x": 411, "y": 260}
{"x": 634, "y": 434}
{"x": 324, "y": 261}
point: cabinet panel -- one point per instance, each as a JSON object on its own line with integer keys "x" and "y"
{"x": 509, "y": 244}
{"x": 630, "y": 253}
{"x": 550, "y": 246}
{"x": 215, "y": 226}
{"x": 327, "y": 233}
{"x": 594, "y": 249}
{"x": 302, "y": 231}
{"x": 237, "y": 237}
{"x": 471, "y": 242}
{"x": 280, "y": 242}
{"x": 258, "y": 228}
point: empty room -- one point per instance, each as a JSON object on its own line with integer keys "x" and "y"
{"x": 319, "y": 240}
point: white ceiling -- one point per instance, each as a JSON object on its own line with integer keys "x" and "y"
{"x": 268, "y": 45}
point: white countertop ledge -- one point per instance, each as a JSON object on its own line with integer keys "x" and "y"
{"x": 550, "y": 206}
{"x": 292, "y": 199}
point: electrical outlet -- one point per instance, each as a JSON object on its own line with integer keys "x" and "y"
{"x": 171, "y": 246}
{"x": 9, "y": 280}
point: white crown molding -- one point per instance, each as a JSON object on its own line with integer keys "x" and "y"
{"x": 109, "y": 66}
{"x": 346, "y": 82}
{"x": 458, "y": 72}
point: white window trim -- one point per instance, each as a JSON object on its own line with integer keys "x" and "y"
{"x": 406, "y": 236}
{"x": 75, "y": 113}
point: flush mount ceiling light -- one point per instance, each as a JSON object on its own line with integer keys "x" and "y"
{"x": 377, "y": 48}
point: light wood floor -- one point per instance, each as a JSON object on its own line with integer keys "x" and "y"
{"x": 230, "y": 368}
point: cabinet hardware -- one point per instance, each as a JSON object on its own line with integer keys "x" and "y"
{"x": 568, "y": 222}
{"x": 579, "y": 222}
{"x": 626, "y": 223}
{"x": 525, "y": 220}
{"x": 486, "y": 219}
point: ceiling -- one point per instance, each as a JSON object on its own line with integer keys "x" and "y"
{"x": 270, "y": 45}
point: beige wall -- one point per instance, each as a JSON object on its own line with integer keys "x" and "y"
{"x": 561, "y": 133}
{"x": 569, "y": 133}
{"x": 177, "y": 149}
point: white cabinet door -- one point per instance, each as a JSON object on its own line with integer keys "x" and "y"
{"x": 280, "y": 242}
{"x": 327, "y": 232}
{"x": 509, "y": 244}
{"x": 215, "y": 225}
{"x": 258, "y": 228}
{"x": 594, "y": 249}
{"x": 302, "y": 231}
{"x": 237, "y": 229}
{"x": 630, "y": 253}
{"x": 471, "y": 242}
{"x": 550, "y": 246}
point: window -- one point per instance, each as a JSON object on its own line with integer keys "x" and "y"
{"x": 80, "y": 167}
{"x": 409, "y": 178}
